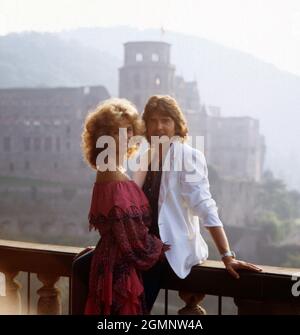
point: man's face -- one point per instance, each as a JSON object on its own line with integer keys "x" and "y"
{"x": 159, "y": 124}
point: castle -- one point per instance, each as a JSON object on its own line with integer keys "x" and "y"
{"x": 40, "y": 128}
{"x": 232, "y": 145}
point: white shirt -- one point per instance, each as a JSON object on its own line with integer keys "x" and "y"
{"x": 184, "y": 196}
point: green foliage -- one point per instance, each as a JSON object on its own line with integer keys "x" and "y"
{"x": 293, "y": 260}
{"x": 272, "y": 226}
{"x": 277, "y": 208}
{"x": 273, "y": 196}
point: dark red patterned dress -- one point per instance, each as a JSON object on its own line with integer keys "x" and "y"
{"x": 120, "y": 212}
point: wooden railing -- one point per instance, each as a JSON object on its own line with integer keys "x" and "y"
{"x": 273, "y": 291}
{"x": 49, "y": 262}
{"x": 268, "y": 292}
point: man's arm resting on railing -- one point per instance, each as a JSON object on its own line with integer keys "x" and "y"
{"x": 219, "y": 236}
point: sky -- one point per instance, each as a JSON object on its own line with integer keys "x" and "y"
{"x": 267, "y": 29}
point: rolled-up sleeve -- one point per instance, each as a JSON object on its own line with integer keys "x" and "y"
{"x": 195, "y": 189}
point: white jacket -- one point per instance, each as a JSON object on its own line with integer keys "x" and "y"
{"x": 184, "y": 197}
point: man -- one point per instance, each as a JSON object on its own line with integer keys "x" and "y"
{"x": 178, "y": 197}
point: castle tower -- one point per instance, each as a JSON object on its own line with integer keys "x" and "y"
{"x": 147, "y": 71}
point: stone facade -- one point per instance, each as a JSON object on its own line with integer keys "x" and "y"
{"x": 40, "y": 131}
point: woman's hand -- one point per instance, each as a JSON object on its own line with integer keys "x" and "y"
{"x": 166, "y": 247}
{"x": 232, "y": 265}
{"x": 87, "y": 249}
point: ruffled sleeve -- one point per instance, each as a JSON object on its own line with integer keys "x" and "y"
{"x": 133, "y": 238}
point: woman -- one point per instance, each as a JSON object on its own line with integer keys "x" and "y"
{"x": 121, "y": 213}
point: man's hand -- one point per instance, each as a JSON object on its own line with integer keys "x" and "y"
{"x": 232, "y": 265}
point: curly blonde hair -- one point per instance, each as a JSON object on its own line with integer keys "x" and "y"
{"x": 105, "y": 120}
{"x": 168, "y": 106}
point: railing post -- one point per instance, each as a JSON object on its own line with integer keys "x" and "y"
{"x": 192, "y": 301}
{"x": 49, "y": 302}
{"x": 257, "y": 307}
{"x": 12, "y": 299}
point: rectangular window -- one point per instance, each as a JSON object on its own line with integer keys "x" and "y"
{"x": 7, "y": 144}
{"x": 26, "y": 143}
{"x": 11, "y": 167}
{"x": 48, "y": 144}
{"x": 37, "y": 144}
{"x": 57, "y": 144}
{"x": 68, "y": 130}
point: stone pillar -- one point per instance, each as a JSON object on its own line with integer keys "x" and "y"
{"x": 192, "y": 301}
{"x": 49, "y": 302}
{"x": 11, "y": 302}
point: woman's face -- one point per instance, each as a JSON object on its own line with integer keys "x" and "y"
{"x": 122, "y": 136}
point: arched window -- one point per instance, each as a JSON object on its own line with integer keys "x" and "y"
{"x": 155, "y": 57}
{"x": 139, "y": 57}
{"x": 86, "y": 90}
